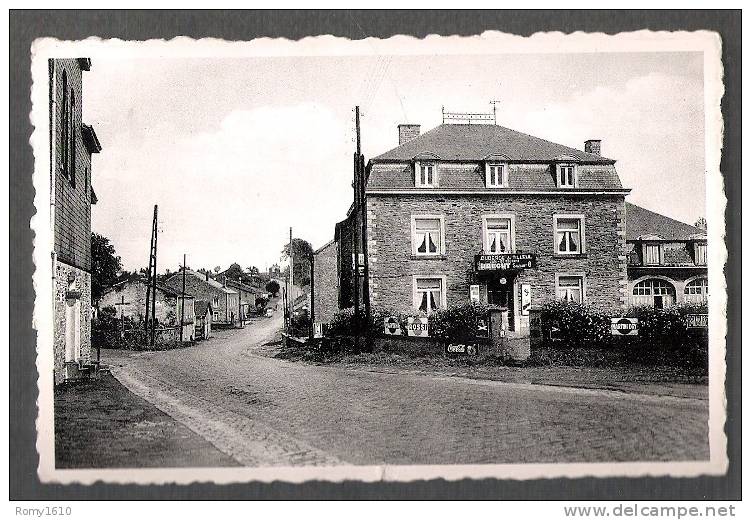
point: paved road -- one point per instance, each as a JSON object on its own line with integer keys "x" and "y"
{"x": 264, "y": 411}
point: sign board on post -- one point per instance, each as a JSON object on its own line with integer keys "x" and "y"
{"x": 624, "y": 326}
{"x": 482, "y": 329}
{"x": 391, "y": 326}
{"x": 474, "y": 293}
{"x": 454, "y": 349}
{"x": 417, "y": 327}
{"x": 526, "y": 290}
{"x": 697, "y": 321}
{"x": 318, "y": 330}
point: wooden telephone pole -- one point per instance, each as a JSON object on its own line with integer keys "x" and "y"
{"x": 151, "y": 283}
{"x": 182, "y": 306}
{"x": 361, "y": 218}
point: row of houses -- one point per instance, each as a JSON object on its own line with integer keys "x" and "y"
{"x": 484, "y": 213}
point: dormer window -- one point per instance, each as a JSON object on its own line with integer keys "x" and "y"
{"x": 700, "y": 253}
{"x": 496, "y": 175}
{"x": 652, "y": 254}
{"x": 566, "y": 175}
{"x": 426, "y": 174}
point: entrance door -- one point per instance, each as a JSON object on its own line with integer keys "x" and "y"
{"x": 72, "y": 329}
{"x": 501, "y": 293}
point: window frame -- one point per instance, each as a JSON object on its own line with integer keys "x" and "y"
{"x": 418, "y": 173}
{"x": 505, "y": 174}
{"x": 698, "y": 245}
{"x": 558, "y": 170}
{"x": 413, "y": 235}
{"x": 660, "y": 253}
{"x": 582, "y": 284}
{"x": 694, "y": 283}
{"x": 416, "y": 300}
{"x": 582, "y": 233}
{"x": 512, "y": 231}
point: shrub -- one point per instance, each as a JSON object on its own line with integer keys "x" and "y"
{"x": 578, "y": 325}
{"x": 457, "y": 324}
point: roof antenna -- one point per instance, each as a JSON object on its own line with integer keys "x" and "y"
{"x": 495, "y": 102}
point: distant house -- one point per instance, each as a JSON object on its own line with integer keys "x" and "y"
{"x": 667, "y": 259}
{"x": 204, "y": 315}
{"x": 128, "y": 298}
{"x": 247, "y": 303}
{"x": 224, "y": 300}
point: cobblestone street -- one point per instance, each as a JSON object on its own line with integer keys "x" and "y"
{"x": 264, "y": 411}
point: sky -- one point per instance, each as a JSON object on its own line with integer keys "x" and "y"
{"x": 235, "y": 151}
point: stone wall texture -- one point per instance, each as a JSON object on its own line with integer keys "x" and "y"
{"x": 392, "y": 264}
{"x": 71, "y": 281}
{"x": 326, "y": 280}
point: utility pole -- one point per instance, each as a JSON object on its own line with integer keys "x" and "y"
{"x": 290, "y": 296}
{"x": 182, "y": 306}
{"x": 312, "y": 295}
{"x": 355, "y": 222}
{"x": 151, "y": 282}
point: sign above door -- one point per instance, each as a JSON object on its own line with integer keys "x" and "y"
{"x": 504, "y": 261}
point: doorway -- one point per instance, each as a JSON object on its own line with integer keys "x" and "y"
{"x": 501, "y": 293}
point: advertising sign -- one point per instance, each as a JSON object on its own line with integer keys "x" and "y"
{"x": 391, "y": 326}
{"x": 624, "y": 326}
{"x": 417, "y": 327}
{"x": 504, "y": 261}
{"x": 526, "y": 293}
{"x": 452, "y": 348}
{"x": 474, "y": 293}
{"x": 697, "y": 321}
{"x": 482, "y": 329}
{"x": 318, "y": 330}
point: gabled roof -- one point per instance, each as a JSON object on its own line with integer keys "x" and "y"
{"x": 90, "y": 139}
{"x": 477, "y": 142}
{"x": 202, "y": 307}
{"x": 210, "y": 281}
{"x": 641, "y": 222}
{"x": 141, "y": 280}
{"x": 241, "y": 286}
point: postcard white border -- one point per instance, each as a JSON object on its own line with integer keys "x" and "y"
{"x": 490, "y": 42}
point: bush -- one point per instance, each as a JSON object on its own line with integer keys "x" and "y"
{"x": 457, "y": 324}
{"x": 578, "y": 325}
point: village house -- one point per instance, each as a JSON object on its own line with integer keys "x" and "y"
{"x": 128, "y": 299}
{"x": 484, "y": 213}
{"x": 72, "y": 144}
{"x": 667, "y": 259}
{"x": 225, "y": 301}
{"x": 247, "y": 298}
{"x": 204, "y": 316}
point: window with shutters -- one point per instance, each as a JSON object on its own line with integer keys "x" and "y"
{"x": 700, "y": 254}
{"x": 429, "y": 293}
{"x": 569, "y": 234}
{"x": 427, "y": 235}
{"x": 652, "y": 254}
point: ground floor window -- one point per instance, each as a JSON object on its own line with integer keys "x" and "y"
{"x": 429, "y": 294}
{"x": 216, "y": 316}
{"x": 697, "y": 290}
{"x": 570, "y": 288}
{"x": 655, "y": 292}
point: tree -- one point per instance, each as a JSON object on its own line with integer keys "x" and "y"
{"x": 253, "y": 270}
{"x": 105, "y": 265}
{"x": 302, "y": 251}
{"x": 273, "y": 287}
{"x": 235, "y": 272}
{"x": 701, "y": 223}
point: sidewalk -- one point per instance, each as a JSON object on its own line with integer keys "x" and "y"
{"x": 100, "y": 424}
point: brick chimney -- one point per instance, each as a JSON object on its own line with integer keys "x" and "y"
{"x": 592, "y": 146}
{"x": 408, "y": 132}
{"x": 207, "y": 275}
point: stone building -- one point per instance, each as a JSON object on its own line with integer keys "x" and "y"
{"x": 204, "y": 315}
{"x": 484, "y": 213}
{"x": 326, "y": 282}
{"x": 72, "y": 144}
{"x": 224, "y": 301}
{"x": 128, "y": 299}
{"x": 247, "y": 298}
{"x": 667, "y": 259}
